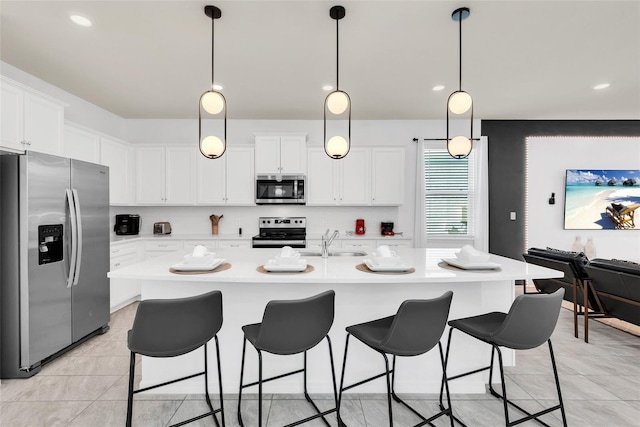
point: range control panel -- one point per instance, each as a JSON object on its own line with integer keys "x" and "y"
{"x": 283, "y": 222}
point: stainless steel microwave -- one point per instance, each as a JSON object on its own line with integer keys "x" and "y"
{"x": 280, "y": 190}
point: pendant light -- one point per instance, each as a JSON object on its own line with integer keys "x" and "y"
{"x": 337, "y": 106}
{"x": 212, "y": 106}
{"x": 460, "y": 102}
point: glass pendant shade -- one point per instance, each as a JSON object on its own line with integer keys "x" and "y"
{"x": 212, "y": 146}
{"x": 460, "y": 102}
{"x": 338, "y": 102}
{"x": 336, "y": 147}
{"x": 212, "y": 102}
{"x": 459, "y": 147}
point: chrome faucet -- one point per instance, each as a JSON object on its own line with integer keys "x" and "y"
{"x": 326, "y": 242}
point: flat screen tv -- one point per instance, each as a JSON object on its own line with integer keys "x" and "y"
{"x": 602, "y": 199}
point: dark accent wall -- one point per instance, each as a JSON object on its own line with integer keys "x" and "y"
{"x": 507, "y": 163}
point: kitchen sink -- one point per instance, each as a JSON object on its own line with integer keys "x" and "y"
{"x": 333, "y": 253}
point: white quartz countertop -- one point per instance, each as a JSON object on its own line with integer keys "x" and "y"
{"x": 428, "y": 264}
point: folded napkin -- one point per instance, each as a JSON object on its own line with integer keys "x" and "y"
{"x": 470, "y": 254}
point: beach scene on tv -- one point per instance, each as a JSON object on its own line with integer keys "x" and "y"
{"x": 602, "y": 199}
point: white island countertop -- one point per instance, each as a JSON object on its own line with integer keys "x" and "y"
{"x": 428, "y": 264}
{"x": 360, "y": 296}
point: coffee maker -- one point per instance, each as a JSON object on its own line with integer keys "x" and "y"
{"x": 127, "y": 224}
{"x": 386, "y": 229}
{"x": 360, "y": 228}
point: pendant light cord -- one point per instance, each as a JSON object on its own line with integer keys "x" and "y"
{"x": 460, "y": 53}
{"x": 212, "y": 49}
{"x": 337, "y": 55}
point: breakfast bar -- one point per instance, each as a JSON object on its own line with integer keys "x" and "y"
{"x": 361, "y": 295}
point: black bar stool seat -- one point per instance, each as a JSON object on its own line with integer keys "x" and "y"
{"x": 414, "y": 330}
{"x": 173, "y": 327}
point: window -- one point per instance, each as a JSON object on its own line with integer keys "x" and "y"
{"x": 448, "y": 194}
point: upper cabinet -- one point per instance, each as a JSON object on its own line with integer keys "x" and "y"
{"x": 81, "y": 144}
{"x": 118, "y": 156}
{"x": 281, "y": 154}
{"x": 387, "y": 176}
{"x": 229, "y": 180}
{"x": 165, "y": 175}
{"x": 366, "y": 176}
{"x": 345, "y": 182}
{"x": 30, "y": 121}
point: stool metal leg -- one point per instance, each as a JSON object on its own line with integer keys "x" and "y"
{"x": 344, "y": 369}
{"x": 555, "y": 375}
{"x": 219, "y": 382}
{"x": 244, "y": 348}
{"x": 132, "y": 368}
{"x": 386, "y": 365}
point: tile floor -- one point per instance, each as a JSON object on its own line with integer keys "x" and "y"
{"x": 87, "y": 387}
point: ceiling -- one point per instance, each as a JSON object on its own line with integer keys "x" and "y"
{"x": 521, "y": 59}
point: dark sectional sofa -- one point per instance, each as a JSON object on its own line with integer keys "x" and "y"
{"x": 617, "y": 286}
{"x": 597, "y": 288}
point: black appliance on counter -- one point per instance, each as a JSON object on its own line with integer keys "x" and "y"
{"x": 127, "y": 224}
{"x": 277, "y": 232}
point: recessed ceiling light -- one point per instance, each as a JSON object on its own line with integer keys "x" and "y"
{"x": 602, "y": 86}
{"x": 438, "y": 88}
{"x": 217, "y": 87}
{"x": 81, "y": 20}
{"x": 327, "y": 87}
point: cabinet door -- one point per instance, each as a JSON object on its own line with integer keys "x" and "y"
{"x": 81, "y": 144}
{"x": 210, "y": 182}
{"x": 267, "y": 155}
{"x": 395, "y": 243}
{"x": 180, "y": 175}
{"x": 293, "y": 154}
{"x": 150, "y": 176}
{"x": 118, "y": 157}
{"x": 388, "y": 176}
{"x": 321, "y": 178}
{"x": 359, "y": 244}
{"x": 240, "y": 176}
{"x": 11, "y": 116}
{"x": 43, "y": 124}
{"x": 234, "y": 244}
{"x": 355, "y": 178}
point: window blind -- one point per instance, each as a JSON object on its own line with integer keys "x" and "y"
{"x": 449, "y": 194}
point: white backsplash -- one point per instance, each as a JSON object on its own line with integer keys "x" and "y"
{"x": 195, "y": 219}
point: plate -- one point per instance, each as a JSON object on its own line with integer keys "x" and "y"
{"x": 471, "y": 265}
{"x": 271, "y": 265}
{"x": 196, "y": 267}
{"x": 375, "y": 267}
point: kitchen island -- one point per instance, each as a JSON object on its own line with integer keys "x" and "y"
{"x": 360, "y": 296}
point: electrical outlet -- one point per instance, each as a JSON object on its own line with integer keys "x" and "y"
{"x": 512, "y": 216}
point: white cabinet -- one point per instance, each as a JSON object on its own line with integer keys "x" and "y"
{"x": 123, "y": 291}
{"x": 244, "y": 243}
{"x": 165, "y": 175}
{"x": 162, "y": 247}
{"x": 118, "y": 156}
{"x": 190, "y": 244}
{"x": 387, "y": 176}
{"x": 81, "y": 144}
{"x": 345, "y": 182}
{"x": 395, "y": 243}
{"x": 228, "y": 180}
{"x": 368, "y": 246}
{"x": 30, "y": 121}
{"x": 281, "y": 154}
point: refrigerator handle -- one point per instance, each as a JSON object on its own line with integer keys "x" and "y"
{"x": 74, "y": 232}
{"x": 76, "y": 275}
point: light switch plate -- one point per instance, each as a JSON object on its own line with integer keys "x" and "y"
{"x": 512, "y": 216}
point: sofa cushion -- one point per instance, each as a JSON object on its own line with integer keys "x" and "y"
{"x": 622, "y": 266}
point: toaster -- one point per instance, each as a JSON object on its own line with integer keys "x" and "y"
{"x": 162, "y": 228}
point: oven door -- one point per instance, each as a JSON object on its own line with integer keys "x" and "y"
{"x": 283, "y": 189}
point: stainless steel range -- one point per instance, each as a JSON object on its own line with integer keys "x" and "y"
{"x": 276, "y": 232}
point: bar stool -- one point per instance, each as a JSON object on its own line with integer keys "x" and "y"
{"x": 172, "y": 327}
{"x": 529, "y": 323}
{"x": 413, "y": 330}
{"x": 290, "y": 327}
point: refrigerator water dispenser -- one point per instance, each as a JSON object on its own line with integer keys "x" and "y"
{"x": 49, "y": 243}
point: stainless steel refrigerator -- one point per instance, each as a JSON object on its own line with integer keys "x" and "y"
{"x": 54, "y": 258}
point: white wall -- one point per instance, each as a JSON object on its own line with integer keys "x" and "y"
{"x": 548, "y": 159}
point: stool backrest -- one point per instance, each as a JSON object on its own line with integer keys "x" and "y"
{"x": 294, "y": 326}
{"x": 417, "y": 326}
{"x": 530, "y": 321}
{"x": 171, "y": 327}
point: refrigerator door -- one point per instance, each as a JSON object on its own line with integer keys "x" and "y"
{"x": 45, "y": 298}
{"x": 90, "y": 291}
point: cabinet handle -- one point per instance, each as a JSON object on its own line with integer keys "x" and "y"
{"x": 115, "y": 251}
{"x": 117, "y": 264}
{"x": 162, "y": 246}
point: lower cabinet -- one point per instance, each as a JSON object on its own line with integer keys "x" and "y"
{"x": 234, "y": 244}
{"x": 123, "y": 291}
{"x": 155, "y": 249}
